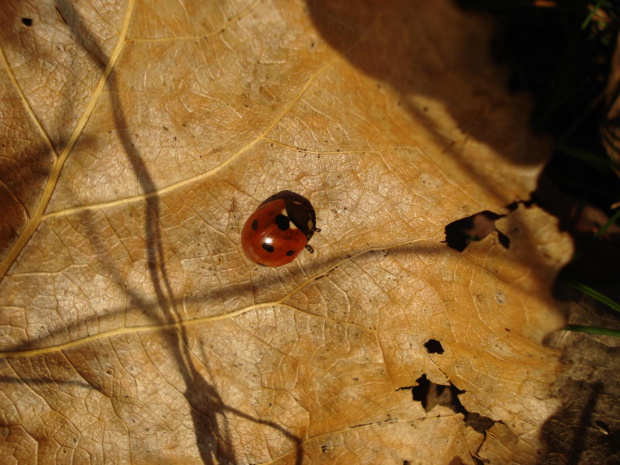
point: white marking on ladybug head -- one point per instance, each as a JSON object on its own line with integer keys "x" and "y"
{"x": 310, "y": 225}
{"x": 292, "y": 225}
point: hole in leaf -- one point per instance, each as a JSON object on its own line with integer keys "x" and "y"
{"x": 456, "y": 461}
{"x": 421, "y": 392}
{"x": 27, "y": 21}
{"x": 503, "y": 239}
{"x": 460, "y": 233}
{"x": 433, "y": 346}
{"x": 430, "y": 394}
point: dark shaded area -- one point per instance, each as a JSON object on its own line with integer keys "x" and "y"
{"x": 460, "y": 233}
{"x": 391, "y": 42}
{"x": 44, "y": 380}
{"x": 433, "y": 346}
{"x": 23, "y": 174}
{"x": 564, "y": 61}
{"x": 402, "y": 44}
{"x": 459, "y": 461}
{"x": 551, "y": 56}
{"x": 572, "y": 437}
{"x": 25, "y": 160}
{"x": 597, "y": 259}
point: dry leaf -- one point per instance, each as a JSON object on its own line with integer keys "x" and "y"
{"x": 610, "y": 128}
{"x": 137, "y": 139}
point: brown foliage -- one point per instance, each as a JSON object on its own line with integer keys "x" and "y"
{"x": 139, "y": 136}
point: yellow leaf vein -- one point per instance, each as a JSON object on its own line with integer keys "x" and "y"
{"x": 207, "y": 319}
{"x": 37, "y": 215}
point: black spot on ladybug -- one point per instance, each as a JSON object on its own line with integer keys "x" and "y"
{"x": 283, "y": 222}
{"x": 27, "y": 21}
{"x": 254, "y": 225}
{"x": 268, "y": 247}
{"x": 290, "y": 253}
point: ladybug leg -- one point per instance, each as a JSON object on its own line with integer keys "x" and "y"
{"x": 309, "y": 248}
{"x": 317, "y": 229}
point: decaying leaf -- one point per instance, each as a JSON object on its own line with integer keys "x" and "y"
{"x": 138, "y": 136}
{"x": 611, "y": 122}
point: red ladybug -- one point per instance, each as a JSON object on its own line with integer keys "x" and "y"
{"x": 279, "y": 229}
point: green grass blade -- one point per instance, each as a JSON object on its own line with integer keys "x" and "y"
{"x": 595, "y": 161}
{"x": 593, "y": 293}
{"x": 611, "y": 221}
{"x": 592, "y": 330}
{"x": 591, "y": 14}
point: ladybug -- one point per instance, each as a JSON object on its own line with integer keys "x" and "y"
{"x": 279, "y": 229}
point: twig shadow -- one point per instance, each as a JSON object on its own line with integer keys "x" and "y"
{"x": 207, "y": 407}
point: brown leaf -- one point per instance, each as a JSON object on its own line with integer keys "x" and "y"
{"x": 610, "y": 128}
{"x": 139, "y": 136}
